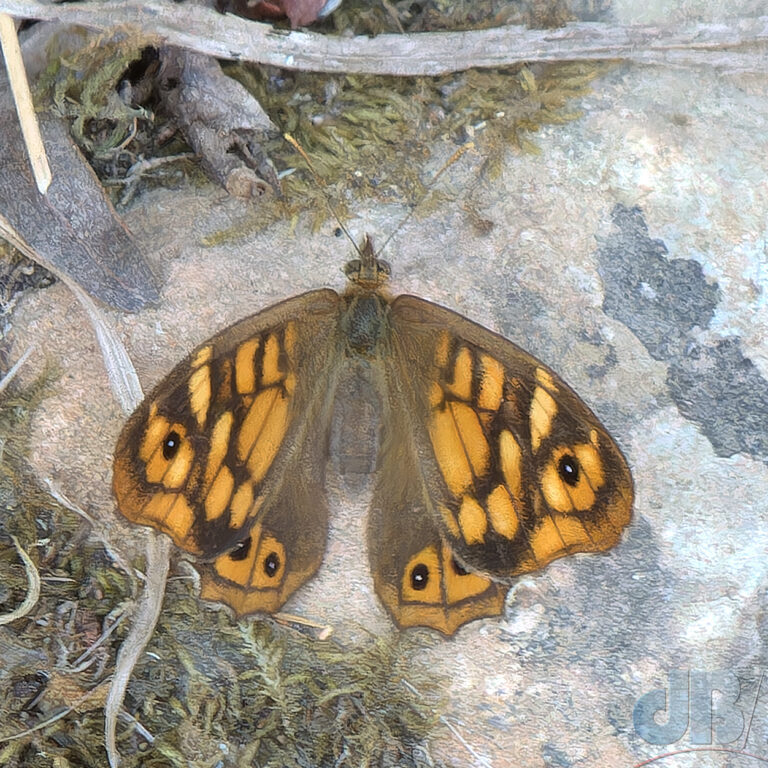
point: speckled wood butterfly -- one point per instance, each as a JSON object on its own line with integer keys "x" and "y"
{"x": 489, "y": 465}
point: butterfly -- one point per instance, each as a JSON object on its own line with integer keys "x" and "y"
{"x": 489, "y": 465}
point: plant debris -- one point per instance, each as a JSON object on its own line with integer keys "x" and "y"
{"x": 345, "y": 123}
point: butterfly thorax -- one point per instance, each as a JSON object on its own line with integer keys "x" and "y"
{"x": 366, "y": 303}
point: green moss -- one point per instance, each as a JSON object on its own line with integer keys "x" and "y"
{"x": 375, "y": 17}
{"x": 82, "y": 84}
{"x": 371, "y": 137}
{"x": 266, "y": 695}
{"x": 38, "y": 677}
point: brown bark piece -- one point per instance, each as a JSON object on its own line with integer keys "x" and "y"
{"x": 222, "y": 122}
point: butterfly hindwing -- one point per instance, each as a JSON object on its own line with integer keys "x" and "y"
{"x": 285, "y": 547}
{"x": 414, "y": 571}
{"x": 516, "y": 469}
{"x": 210, "y": 451}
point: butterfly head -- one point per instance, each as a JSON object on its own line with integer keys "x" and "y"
{"x": 369, "y": 272}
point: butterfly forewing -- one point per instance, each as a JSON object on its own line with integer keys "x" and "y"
{"x": 208, "y": 452}
{"x": 516, "y": 469}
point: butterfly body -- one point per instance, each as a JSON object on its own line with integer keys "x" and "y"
{"x": 489, "y": 466}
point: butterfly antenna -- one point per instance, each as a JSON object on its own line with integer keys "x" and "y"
{"x": 321, "y": 183}
{"x": 448, "y": 163}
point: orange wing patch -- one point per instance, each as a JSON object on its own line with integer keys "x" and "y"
{"x": 543, "y": 412}
{"x": 220, "y": 438}
{"x": 200, "y": 393}
{"x": 219, "y": 494}
{"x": 267, "y": 429}
{"x": 167, "y": 460}
{"x": 571, "y": 478}
{"x": 501, "y": 511}
{"x": 202, "y": 356}
{"x": 511, "y": 459}
{"x": 449, "y": 451}
{"x": 245, "y": 366}
{"x": 456, "y": 431}
{"x": 460, "y": 385}
{"x": 556, "y": 535}
{"x": 172, "y": 514}
{"x": 243, "y": 505}
{"x": 472, "y": 437}
{"x": 472, "y": 521}
{"x": 166, "y": 452}
{"x": 266, "y": 420}
{"x": 271, "y": 372}
{"x": 491, "y": 392}
{"x": 254, "y": 421}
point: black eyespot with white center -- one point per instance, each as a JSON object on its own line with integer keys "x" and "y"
{"x": 568, "y": 469}
{"x": 419, "y": 577}
{"x": 171, "y": 445}
{"x": 272, "y": 564}
{"x": 241, "y": 551}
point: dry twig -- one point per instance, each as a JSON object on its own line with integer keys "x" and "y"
{"x": 738, "y": 46}
{"x": 33, "y": 587}
{"x": 30, "y": 129}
